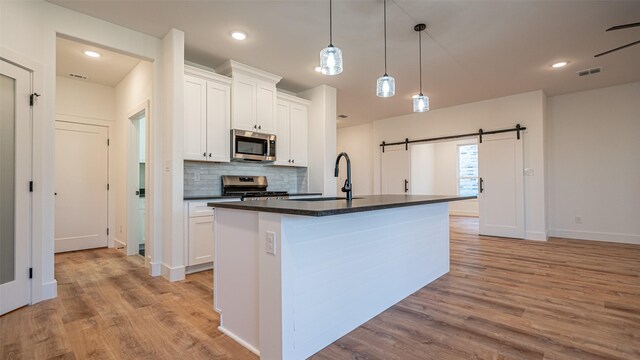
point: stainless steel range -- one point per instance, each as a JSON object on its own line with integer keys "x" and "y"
{"x": 250, "y": 188}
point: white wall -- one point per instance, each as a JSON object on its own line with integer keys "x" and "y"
{"x": 84, "y": 99}
{"x": 357, "y": 142}
{"x": 132, "y": 92}
{"x": 322, "y": 138}
{"x": 593, "y": 162}
{"x": 526, "y": 109}
{"x": 28, "y": 32}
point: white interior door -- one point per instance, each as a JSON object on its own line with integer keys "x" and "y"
{"x": 396, "y": 170}
{"x": 81, "y": 170}
{"x": 15, "y": 174}
{"x": 501, "y": 197}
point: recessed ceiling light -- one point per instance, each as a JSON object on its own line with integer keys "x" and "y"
{"x": 318, "y": 69}
{"x": 239, "y": 35}
{"x": 92, "y": 54}
{"x": 559, "y": 64}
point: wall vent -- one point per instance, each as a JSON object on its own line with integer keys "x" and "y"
{"x": 589, "y": 71}
{"x": 78, "y": 76}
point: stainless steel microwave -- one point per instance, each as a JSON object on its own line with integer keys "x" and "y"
{"x": 252, "y": 146}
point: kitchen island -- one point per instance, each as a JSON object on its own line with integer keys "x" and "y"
{"x": 293, "y": 276}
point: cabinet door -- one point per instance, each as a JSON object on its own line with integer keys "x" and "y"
{"x": 243, "y": 110}
{"x": 218, "y": 121}
{"x": 201, "y": 240}
{"x": 195, "y": 118}
{"x": 298, "y": 135}
{"x": 266, "y": 107}
{"x": 283, "y": 147}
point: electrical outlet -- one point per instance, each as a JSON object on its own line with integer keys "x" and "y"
{"x": 271, "y": 243}
{"x": 578, "y": 219}
{"x": 196, "y": 177}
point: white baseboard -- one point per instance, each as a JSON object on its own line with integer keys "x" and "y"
{"x": 201, "y": 267}
{"x": 463, "y": 213}
{"x": 239, "y": 340}
{"x": 49, "y": 290}
{"x": 173, "y": 273}
{"x": 535, "y": 235}
{"x": 596, "y": 236}
{"x": 119, "y": 244}
{"x": 155, "y": 269}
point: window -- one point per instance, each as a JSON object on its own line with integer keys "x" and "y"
{"x": 468, "y": 170}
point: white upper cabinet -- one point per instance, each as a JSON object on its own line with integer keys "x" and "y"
{"x": 291, "y": 142}
{"x": 253, "y": 97}
{"x": 207, "y": 116}
{"x": 195, "y": 118}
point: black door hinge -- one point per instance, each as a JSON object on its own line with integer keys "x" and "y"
{"x": 30, "y": 186}
{"x": 30, "y": 273}
{"x": 32, "y": 98}
{"x": 107, "y": 231}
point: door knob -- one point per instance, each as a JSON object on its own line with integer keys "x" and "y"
{"x": 138, "y": 192}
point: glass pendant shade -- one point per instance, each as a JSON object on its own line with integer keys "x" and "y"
{"x": 386, "y": 86}
{"x": 331, "y": 60}
{"x": 420, "y": 103}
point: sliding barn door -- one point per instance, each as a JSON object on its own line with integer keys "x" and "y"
{"x": 501, "y": 192}
{"x": 395, "y": 170}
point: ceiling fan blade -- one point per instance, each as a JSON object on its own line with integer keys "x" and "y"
{"x": 619, "y": 27}
{"x": 618, "y": 48}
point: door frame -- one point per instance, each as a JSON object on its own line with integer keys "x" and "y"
{"x": 132, "y": 164}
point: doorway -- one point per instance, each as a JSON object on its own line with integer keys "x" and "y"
{"x": 137, "y": 183}
{"x": 81, "y": 186}
{"x": 15, "y": 177}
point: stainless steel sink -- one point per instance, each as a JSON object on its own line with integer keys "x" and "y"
{"x": 323, "y": 199}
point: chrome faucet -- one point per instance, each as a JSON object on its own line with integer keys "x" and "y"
{"x": 347, "y": 188}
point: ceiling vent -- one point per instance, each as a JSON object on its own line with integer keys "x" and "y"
{"x": 77, "y": 76}
{"x": 589, "y": 71}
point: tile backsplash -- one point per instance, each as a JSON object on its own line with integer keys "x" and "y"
{"x": 281, "y": 178}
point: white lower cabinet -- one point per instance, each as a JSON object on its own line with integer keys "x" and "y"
{"x": 199, "y": 235}
{"x": 200, "y": 240}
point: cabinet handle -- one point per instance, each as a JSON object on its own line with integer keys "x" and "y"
{"x": 406, "y": 185}
{"x": 293, "y": 160}
{"x": 255, "y": 126}
{"x": 481, "y": 186}
{"x": 289, "y": 161}
{"x": 209, "y": 154}
{"x": 204, "y": 154}
{"x": 260, "y": 127}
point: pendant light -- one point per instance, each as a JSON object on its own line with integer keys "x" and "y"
{"x": 386, "y": 85}
{"x": 420, "y": 102}
{"x": 331, "y": 56}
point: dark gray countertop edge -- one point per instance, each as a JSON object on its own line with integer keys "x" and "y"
{"x": 210, "y": 197}
{"x": 217, "y": 197}
{"x": 338, "y": 211}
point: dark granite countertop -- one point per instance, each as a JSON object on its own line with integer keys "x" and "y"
{"x": 336, "y": 207}
{"x": 211, "y": 197}
{"x": 304, "y": 194}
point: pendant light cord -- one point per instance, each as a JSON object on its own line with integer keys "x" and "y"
{"x": 385, "y": 37}
{"x": 330, "y": 25}
{"x": 420, "y": 55}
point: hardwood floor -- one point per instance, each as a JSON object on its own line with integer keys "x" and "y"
{"x": 503, "y": 299}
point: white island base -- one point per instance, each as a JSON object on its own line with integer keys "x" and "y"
{"x": 328, "y": 276}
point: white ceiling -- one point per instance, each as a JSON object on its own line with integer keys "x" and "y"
{"x": 109, "y": 69}
{"x": 474, "y": 50}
